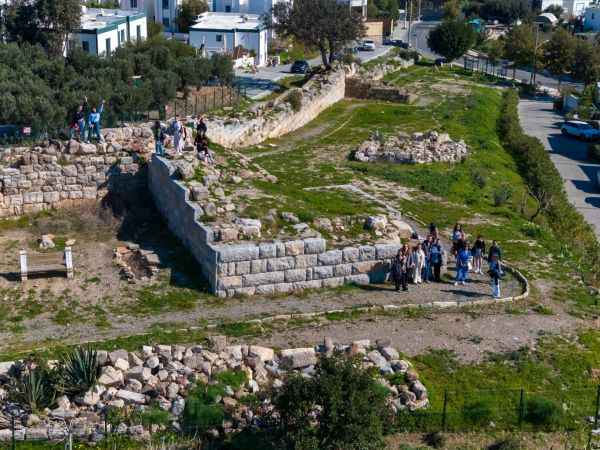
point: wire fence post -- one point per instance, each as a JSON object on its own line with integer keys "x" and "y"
{"x": 521, "y": 407}
{"x": 445, "y": 409}
{"x": 597, "y": 407}
{"x": 12, "y": 427}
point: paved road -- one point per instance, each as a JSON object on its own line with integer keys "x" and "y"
{"x": 569, "y": 156}
{"x": 262, "y": 83}
{"x": 419, "y": 35}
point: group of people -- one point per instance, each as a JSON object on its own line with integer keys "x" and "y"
{"x": 86, "y": 127}
{"x": 422, "y": 262}
{"x": 179, "y": 132}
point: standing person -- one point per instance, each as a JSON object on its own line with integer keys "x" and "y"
{"x": 495, "y": 274}
{"x": 436, "y": 256}
{"x": 201, "y": 127}
{"x": 177, "y": 135}
{"x": 496, "y": 251}
{"x": 433, "y": 231}
{"x": 456, "y": 237}
{"x": 462, "y": 265}
{"x": 399, "y": 270}
{"x": 159, "y": 138}
{"x": 418, "y": 262}
{"x": 478, "y": 252}
{"x": 78, "y": 122}
{"x": 94, "y": 122}
{"x": 427, "y": 243}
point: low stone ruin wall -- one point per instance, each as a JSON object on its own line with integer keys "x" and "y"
{"x": 270, "y": 122}
{"x": 163, "y": 376}
{"x": 59, "y": 174}
{"x": 375, "y": 90}
{"x": 261, "y": 267}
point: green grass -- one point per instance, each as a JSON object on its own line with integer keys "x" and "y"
{"x": 233, "y": 378}
{"x": 156, "y": 299}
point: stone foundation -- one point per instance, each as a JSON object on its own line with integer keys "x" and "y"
{"x": 261, "y": 267}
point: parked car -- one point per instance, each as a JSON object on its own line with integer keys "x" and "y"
{"x": 300, "y": 66}
{"x": 441, "y": 62}
{"x": 393, "y": 42}
{"x": 367, "y": 45}
{"x": 580, "y": 129}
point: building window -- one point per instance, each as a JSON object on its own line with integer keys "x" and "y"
{"x": 122, "y": 36}
{"x": 166, "y": 22}
{"x": 165, "y": 4}
{"x": 228, "y": 8}
{"x": 108, "y": 49}
{"x": 86, "y": 46}
{"x": 133, "y": 4}
{"x": 138, "y": 32}
{"x": 219, "y": 38}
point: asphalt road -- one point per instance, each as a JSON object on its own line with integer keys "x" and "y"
{"x": 420, "y": 33}
{"x": 569, "y": 156}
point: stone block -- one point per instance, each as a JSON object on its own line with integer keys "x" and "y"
{"x": 139, "y": 373}
{"x": 305, "y": 261}
{"x": 367, "y": 252}
{"x": 245, "y": 291}
{"x": 259, "y": 279}
{"x": 309, "y": 284}
{"x": 321, "y": 272}
{"x": 234, "y": 253}
{"x": 361, "y": 279}
{"x": 330, "y": 258}
{"x": 280, "y": 249}
{"x": 265, "y": 289}
{"x": 294, "y": 275}
{"x": 342, "y": 270}
{"x": 296, "y": 358}
{"x": 242, "y": 268}
{"x": 51, "y": 197}
{"x": 363, "y": 267}
{"x": 229, "y": 282}
{"x": 283, "y": 288}
{"x": 264, "y": 353}
{"x": 131, "y": 397}
{"x": 350, "y": 255}
{"x": 258, "y": 266}
{"x": 277, "y": 264}
{"x": 90, "y": 193}
{"x": 33, "y": 197}
{"x": 387, "y": 251}
{"x": 333, "y": 282}
{"x": 267, "y": 250}
{"x": 294, "y": 248}
{"x": 314, "y": 245}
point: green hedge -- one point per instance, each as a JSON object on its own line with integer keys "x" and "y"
{"x": 545, "y": 182}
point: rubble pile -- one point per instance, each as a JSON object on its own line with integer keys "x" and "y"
{"x": 162, "y": 376}
{"x": 135, "y": 263}
{"x": 418, "y": 148}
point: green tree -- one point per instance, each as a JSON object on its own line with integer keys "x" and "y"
{"x": 350, "y": 407}
{"x": 188, "y": 11}
{"x": 495, "y": 50}
{"x": 520, "y": 46}
{"x": 452, "y": 38}
{"x": 451, "y": 9}
{"x": 559, "y": 53}
{"x": 327, "y": 25}
{"x": 586, "y": 65}
{"x": 44, "y": 22}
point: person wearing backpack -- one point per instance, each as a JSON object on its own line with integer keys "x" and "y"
{"x": 436, "y": 258}
{"x": 462, "y": 264}
{"x": 399, "y": 270}
{"x": 159, "y": 138}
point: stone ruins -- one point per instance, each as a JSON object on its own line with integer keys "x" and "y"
{"x": 418, "y": 148}
{"x": 163, "y": 375}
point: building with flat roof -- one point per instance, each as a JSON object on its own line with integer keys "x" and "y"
{"x": 228, "y": 33}
{"x": 139, "y": 5}
{"x": 104, "y": 30}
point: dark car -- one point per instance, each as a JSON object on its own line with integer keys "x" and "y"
{"x": 394, "y": 42}
{"x": 300, "y": 66}
{"x": 441, "y": 62}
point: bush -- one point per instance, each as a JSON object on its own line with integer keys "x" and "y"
{"x": 233, "y": 378}
{"x": 477, "y": 413}
{"x": 541, "y": 411}
{"x": 594, "y": 152}
{"x": 350, "y": 407}
{"x": 153, "y": 416}
{"x": 35, "y": 388}
{"x": 79, "y": 370}
{"x": 502, "y": 195}
{"x": 295, "y": 100}
{"x": 435, "y": 440}
{"x": 201, "y": 413}
{"x": 479, "y": 179}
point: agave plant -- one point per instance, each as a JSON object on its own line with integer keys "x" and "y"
{"x": 34, "y": 388}
{"x": 78, "y": 371}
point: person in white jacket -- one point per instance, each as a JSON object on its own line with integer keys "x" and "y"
{"x": 418, "y": 256}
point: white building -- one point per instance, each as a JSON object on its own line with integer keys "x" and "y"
{"x": 591, "y": 18}
{"x": 104, "y": 30}
{"x": 223, "y": 32}
{"x": 571, "y": 7}
{"x": 166, "y": 12}
{"x": 245, "y": 6}
{"x": 140, "y": 5}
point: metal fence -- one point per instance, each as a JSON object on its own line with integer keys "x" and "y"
{"x": 207, "y": 99}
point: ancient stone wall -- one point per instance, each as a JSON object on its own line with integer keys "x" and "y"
{"x": 261, "y": 267}
{"x": 375, "y": 90}
{"x": 317, "y": 95}
{"x": 58, "y": 174}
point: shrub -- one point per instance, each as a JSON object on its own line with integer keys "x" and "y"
{"x": 35, "y": 388}
{"x": 233, "y": 378}
{"x": 541, "y": 411}
{"x": 479, "y": 179}
{"x": 153, "y": 416}
{"x": 201, "y": 413}
{"x": 79, "y": 370}
{"x": 435, "y": 440}
{"x": 502, "y": 194}
{"x": 477, "y": 413}
{"x": 295, "y": 99}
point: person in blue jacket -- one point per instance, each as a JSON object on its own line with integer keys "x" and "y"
{"x": 462, "y": 264}
{"x": 495, "y": 273}
{"x": 94, "y": 122}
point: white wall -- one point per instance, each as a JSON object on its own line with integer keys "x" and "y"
{"x": 112, "y": 34}
{"x": 142, "y": 5}
{"x": 143, "y": 24}
{"x": 256, "y": 41}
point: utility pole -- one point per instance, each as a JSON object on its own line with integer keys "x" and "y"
{"x": 419, "y": 12}
{"x": 535, "y": 50}
{"x": 410, "y": 18}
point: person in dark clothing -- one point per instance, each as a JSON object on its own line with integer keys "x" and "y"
{"x": 433, "y": 231}
{"x": 201, "y": 127}
{"x": 400, "y": 269}
{"x": 78, "y": 122}
{"x": 495, "y": 251}
{"x": 495, "y": 273}
{"x": 478, "y": 252}
{"x": 436, "y": 257}
{"x": 160, "y": 136}
{"x": 204, "y": 154}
